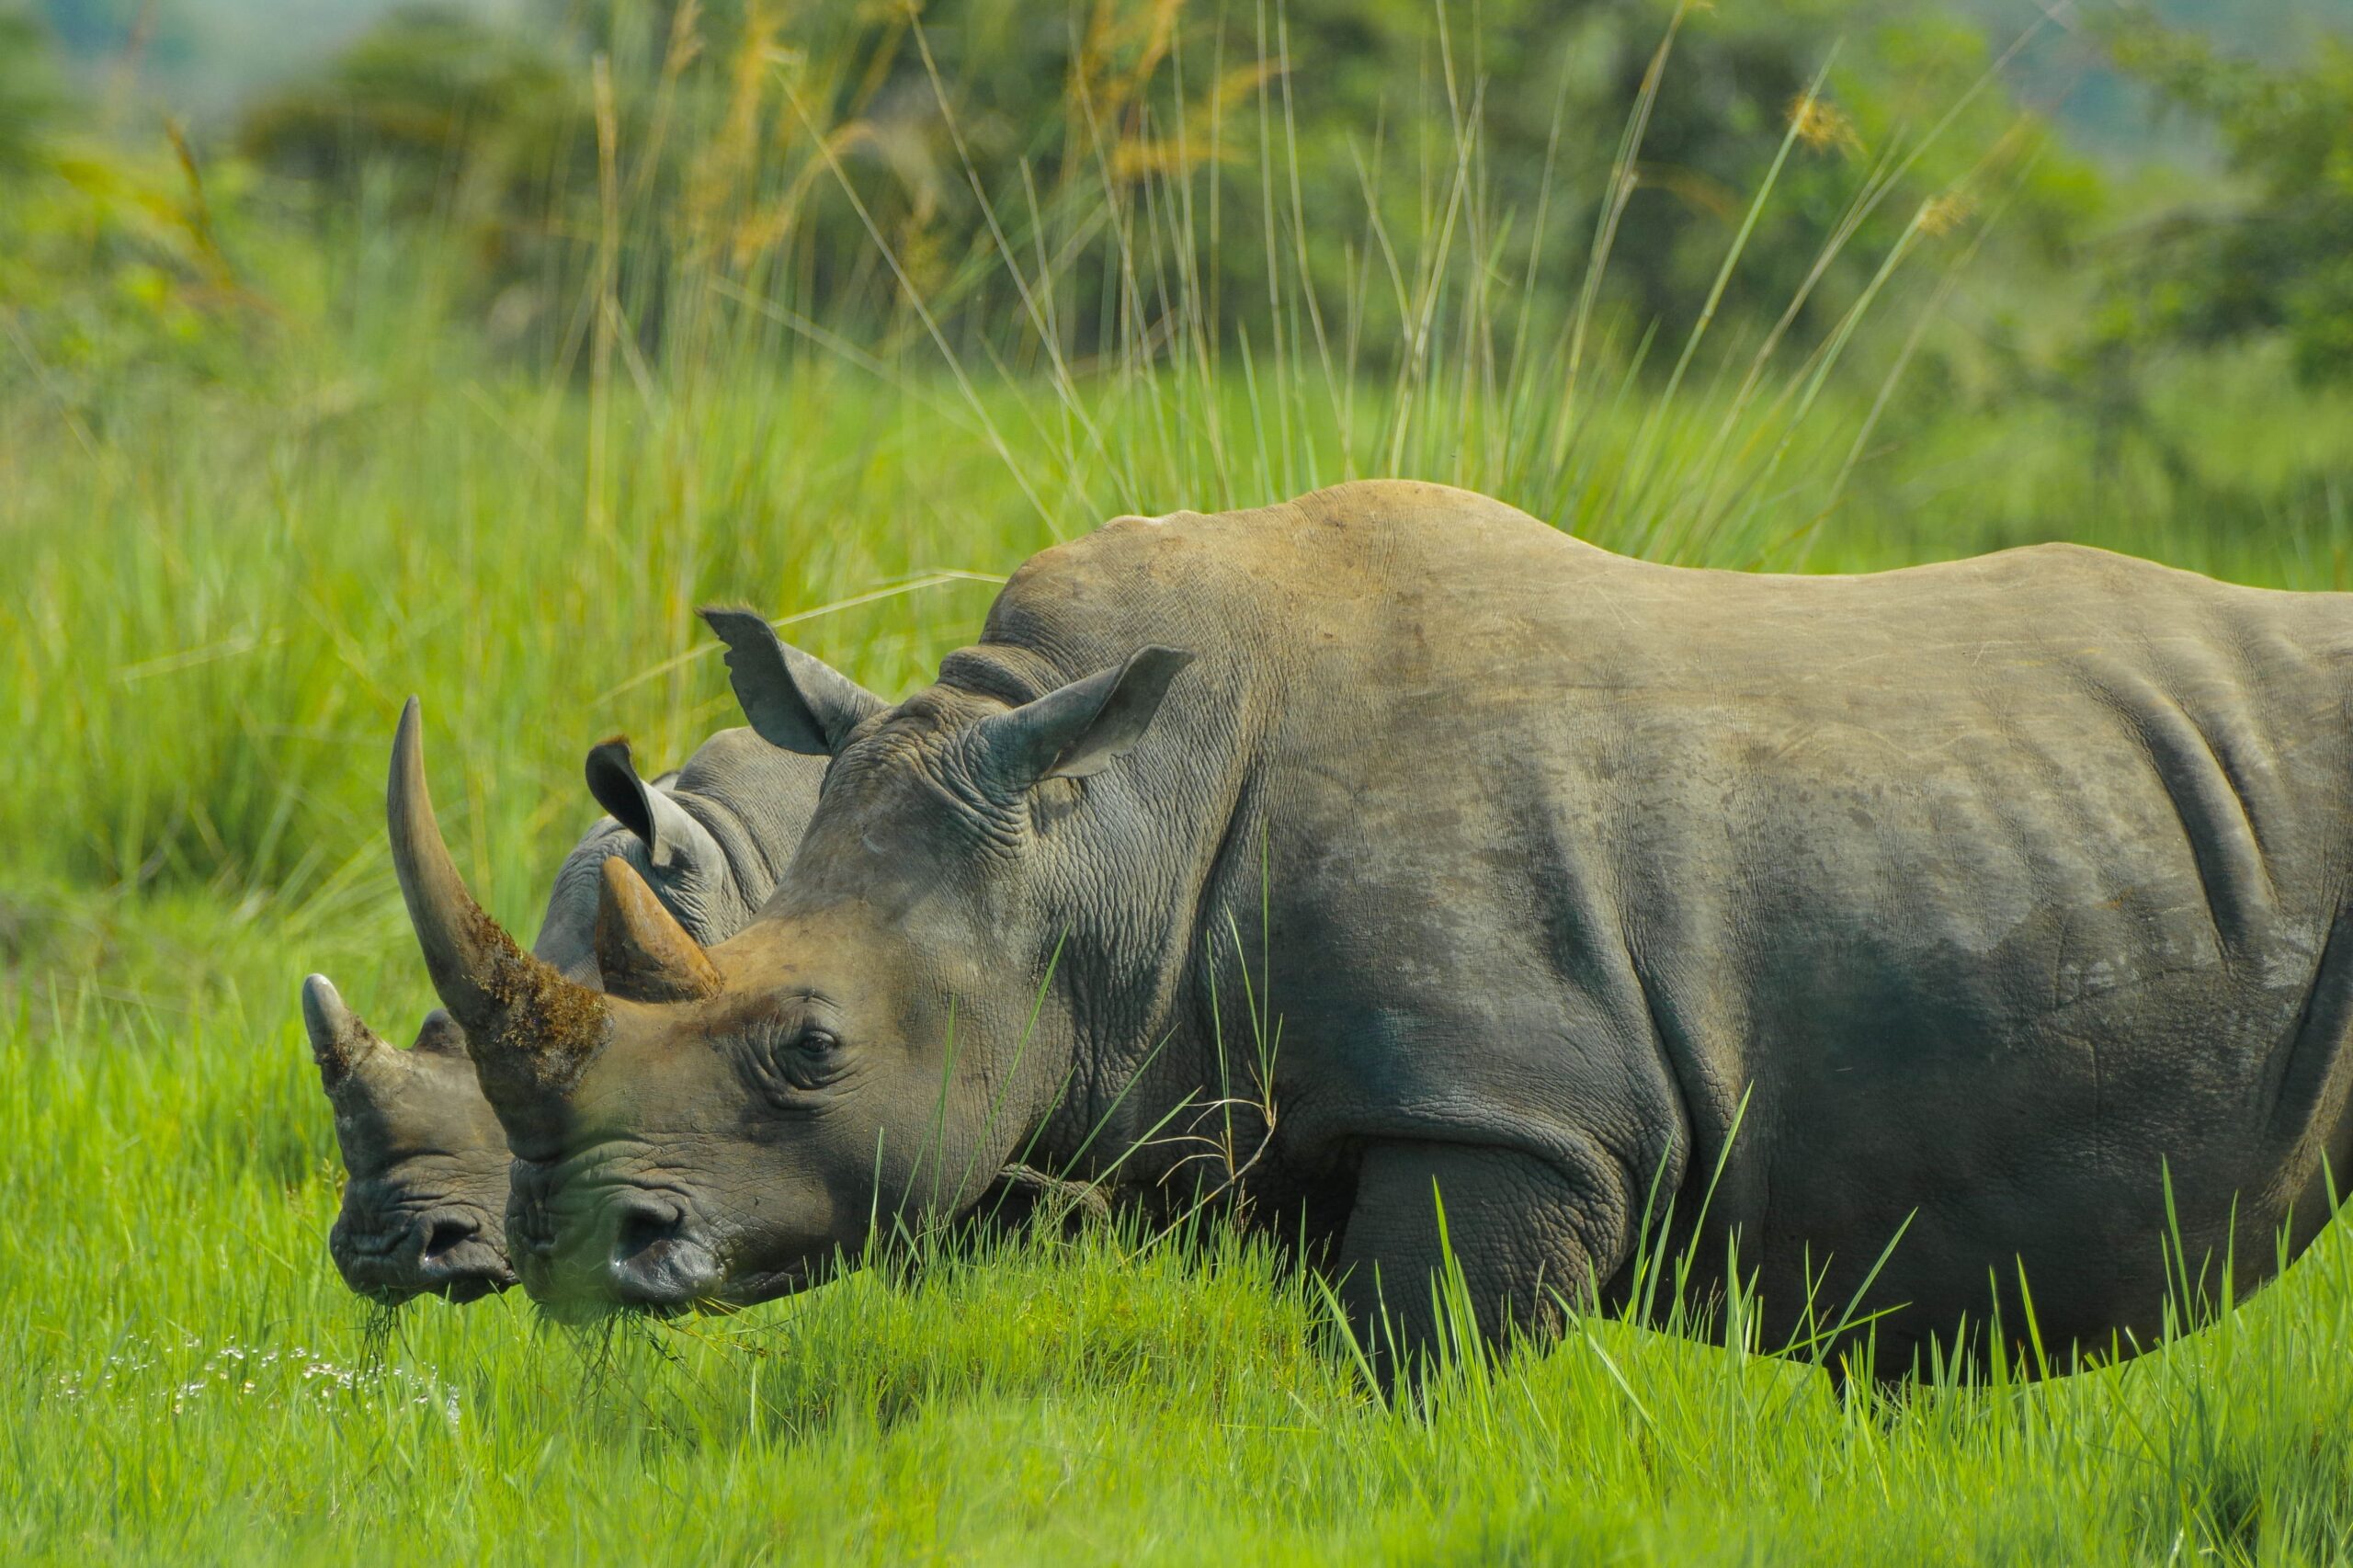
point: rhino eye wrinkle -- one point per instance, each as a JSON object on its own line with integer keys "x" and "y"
{"x": 813, "y": 1058}
{"x": 796, "y": 1058}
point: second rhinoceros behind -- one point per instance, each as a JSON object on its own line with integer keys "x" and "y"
{"x": 424, "y": 1198}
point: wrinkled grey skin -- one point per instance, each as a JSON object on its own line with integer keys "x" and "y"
{"x": 425, "y": 1204}
{"x": 1997, "y": 892}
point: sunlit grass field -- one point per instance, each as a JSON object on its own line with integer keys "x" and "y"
{"x": 216, "y": 601}
{"x": 213, "y": 616}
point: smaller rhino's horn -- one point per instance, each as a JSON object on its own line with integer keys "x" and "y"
{"x": 339, "y": 1041}
{"x": 644, "y": 953}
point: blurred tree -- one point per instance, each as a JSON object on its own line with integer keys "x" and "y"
{"x": 844, "y": 157}
{"x": 430, "y": 90}
{"x": 111, "y": 265}
{"x": 2276, "y": 257}
{"x": 31, "y": 98}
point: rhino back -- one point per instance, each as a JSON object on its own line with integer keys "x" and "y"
{"x": 1986, "y": 886}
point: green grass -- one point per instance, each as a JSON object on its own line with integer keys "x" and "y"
{"x": 187, "y": 1381}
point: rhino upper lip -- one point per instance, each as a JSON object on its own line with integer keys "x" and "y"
{"x": 730, "y": 1295}
{"x": 474, "y": 1286}
{"x": 470, "y": 1286}
{"x": 376, "y": 1244}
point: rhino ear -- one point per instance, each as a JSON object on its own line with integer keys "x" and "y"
{"x": 1083, "y": 728}
{"x": 439, "y": 1035}
{"x": 671, "y": 837}
{"x": 794, "y": 701}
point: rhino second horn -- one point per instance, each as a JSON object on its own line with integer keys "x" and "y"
{"x": 646, "y": 954}
{"x": 339, "y": 1041}
{"x": 529, "y": 1029}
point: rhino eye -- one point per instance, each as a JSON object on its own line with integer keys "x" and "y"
{"x": 800, "y": 1058}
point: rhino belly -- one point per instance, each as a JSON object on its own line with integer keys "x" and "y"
{"x": 1997, "y": 989}
{"x": 2035, "y": 1127}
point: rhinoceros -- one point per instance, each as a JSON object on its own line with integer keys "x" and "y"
{"x": 1888, "y": 939}
{"x": 425, "y": 1203}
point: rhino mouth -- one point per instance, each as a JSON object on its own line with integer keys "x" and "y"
{"x": 473, "y": 1286}
{"x": 772, "y": 1284}
{"x": 713, "y": 1297}
{"x": 457, "y": 1289}
{"x": 736, "y": 1294}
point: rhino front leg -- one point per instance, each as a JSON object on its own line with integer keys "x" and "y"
{"x": 1521, "y": 1235}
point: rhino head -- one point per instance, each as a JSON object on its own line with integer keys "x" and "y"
{"x": 722, "y": 1124}
{"x": 425, "y": 1204}
{"x": 424, "y": 1199}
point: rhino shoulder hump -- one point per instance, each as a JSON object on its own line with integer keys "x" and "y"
{"x": 726, "y": 756}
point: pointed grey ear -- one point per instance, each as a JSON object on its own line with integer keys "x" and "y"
{"x": 671, "y": 837}
{"x": 1083, "y": 728}
{"x": 794, "y": 701}
{"x": 440, "y": 1035}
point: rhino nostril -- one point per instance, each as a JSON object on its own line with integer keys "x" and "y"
{"x": 658, "y": 1260}
{"x": 446, "y": 1236}
{"x": 642, "y": 1227}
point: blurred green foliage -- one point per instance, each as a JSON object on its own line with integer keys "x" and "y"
{"x": 30, "y": 95}
{"x": 1103, "y": 144}
{"x": 2275, "y": 254}
{"x": 111, "y": 259}
{"x": 438, "y": 92}
{"x": 1058, "y": 184}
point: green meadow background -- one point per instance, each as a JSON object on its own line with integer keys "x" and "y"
{"x": 464, "y": 354}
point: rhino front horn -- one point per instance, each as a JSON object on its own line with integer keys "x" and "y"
{"x": 644, "y": 953}
{"x": 530, "y": 1028}
{"x": 339, "y": 1041}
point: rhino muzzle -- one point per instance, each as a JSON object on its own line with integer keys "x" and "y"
{"x": 584, "y": 1250}
{"x": 391, "y": 1257}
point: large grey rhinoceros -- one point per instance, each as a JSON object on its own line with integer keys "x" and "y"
{"x": 424, "y": 1198}
{"x": 1983, "y": 902}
